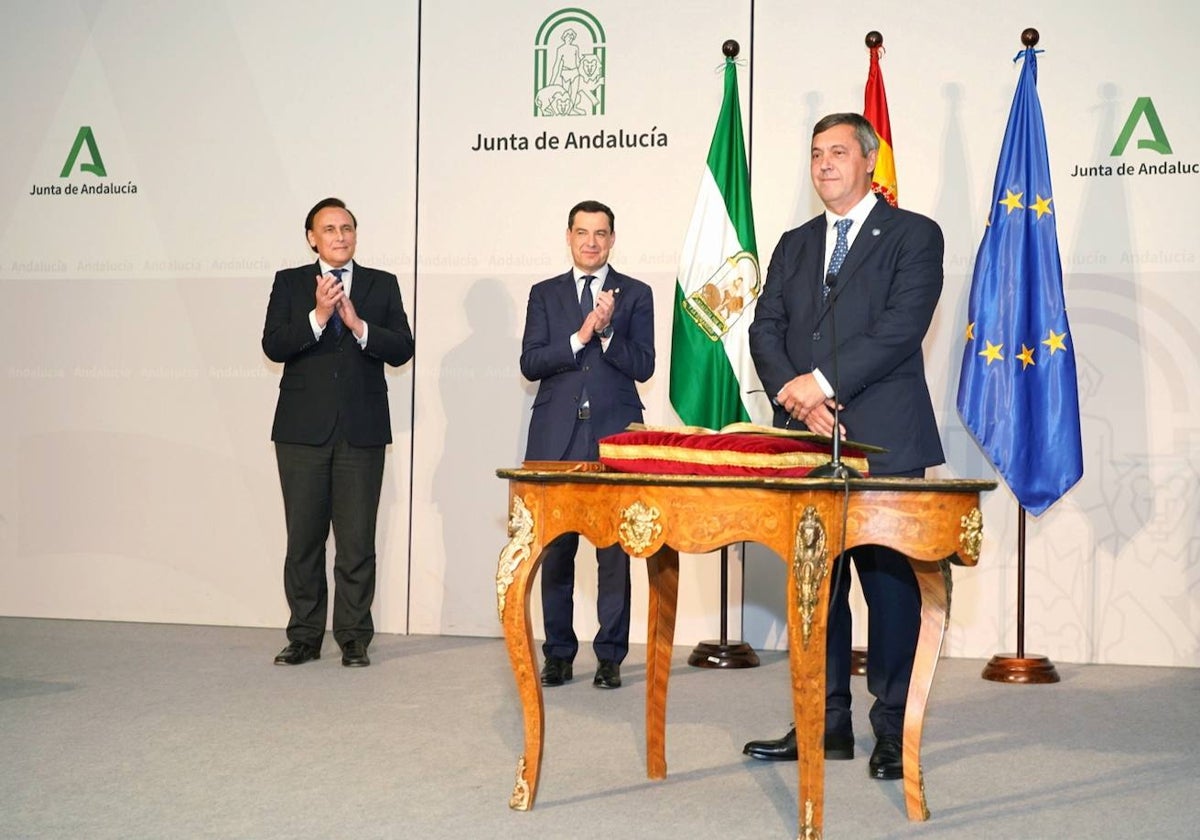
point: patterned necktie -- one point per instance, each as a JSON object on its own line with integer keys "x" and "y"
{"x": 840, "y": 248}
{"x": 335, "y": 320}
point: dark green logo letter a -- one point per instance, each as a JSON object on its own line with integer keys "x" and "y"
{"x": 96, "y": 167}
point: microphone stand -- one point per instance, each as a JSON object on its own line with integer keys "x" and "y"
{"x": 835, "y": 468}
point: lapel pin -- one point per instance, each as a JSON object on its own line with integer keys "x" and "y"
{"x": 874, "y": 231}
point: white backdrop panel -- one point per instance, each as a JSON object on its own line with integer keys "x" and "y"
{"x": 138, "y": 479}
{"x": 1107, "y": 565}
{"x": 492, "y": 223}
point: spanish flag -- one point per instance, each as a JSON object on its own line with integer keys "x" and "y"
{"x": 875, "y": 109}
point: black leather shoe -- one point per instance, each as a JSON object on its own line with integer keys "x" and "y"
{"x": 556, "y": 671}
{"x": 297, "y": 653}
{"x": 887, "y": 759}
{"x": 354, "y": 654}
{"x": 839, "y": 746}
{"x": 608, "y": 675}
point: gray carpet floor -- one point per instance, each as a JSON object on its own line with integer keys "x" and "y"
{"x": 158, "y": 731}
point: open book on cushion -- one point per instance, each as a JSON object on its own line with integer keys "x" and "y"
{"x": 736, "y": 449}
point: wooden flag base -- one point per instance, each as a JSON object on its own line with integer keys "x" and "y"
{"x": 723, "y": 652}
{"x": 727, "y": 654}
{"x": 1029, "y": 669}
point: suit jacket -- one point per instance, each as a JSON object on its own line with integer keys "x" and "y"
{"x": 552, "y": 317}
{"x": 331, "y": 378}
{"x": 884, "y": 299}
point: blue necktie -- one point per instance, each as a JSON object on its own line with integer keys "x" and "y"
{"x": 586, "y": 305}
{"x": 335, "y": 320}
{"x": 840, "y": 249}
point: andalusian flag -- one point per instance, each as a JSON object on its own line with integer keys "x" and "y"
{"x": 876, "y": 111}
{"x": 713, "y": 382}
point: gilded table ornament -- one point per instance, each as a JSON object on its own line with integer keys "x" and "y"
{"x": 519, "y": 801}
{"x": 639, "y": 528}
{"x": 924, "y": 804}
{"x": 971, "y": 537}
{"x": 811, "y": 832}
{"x": 809, "y": 566}
{"x": 516, "y": 552}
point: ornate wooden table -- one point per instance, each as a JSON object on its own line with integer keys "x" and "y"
{"x": 934, "y": 522}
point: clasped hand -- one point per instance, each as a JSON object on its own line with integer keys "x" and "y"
{"x": 331, "y": 296}
{"x": 803, "y": 398}
{"x": 600, "y": 316}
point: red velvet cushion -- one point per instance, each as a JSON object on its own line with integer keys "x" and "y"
{"x": 720, "y": 453}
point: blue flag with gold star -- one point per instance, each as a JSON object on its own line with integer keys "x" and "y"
{"x": 1017, "y": 392}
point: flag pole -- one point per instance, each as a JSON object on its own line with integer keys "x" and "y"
{"x": 874, "y": 43}
{"x": 1020, "y": 667}
{"x": 723, "y": 653}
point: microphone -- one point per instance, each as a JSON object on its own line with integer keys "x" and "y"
{"x": 835, "y": 468}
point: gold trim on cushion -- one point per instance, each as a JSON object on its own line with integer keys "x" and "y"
{"x": 723, "y": 457}
{"x": 743, "y": 428}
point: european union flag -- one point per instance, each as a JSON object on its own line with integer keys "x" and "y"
{"x": 1017, "y": 392}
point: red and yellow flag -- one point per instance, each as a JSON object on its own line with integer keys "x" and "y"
{"x": 875, "y": 109}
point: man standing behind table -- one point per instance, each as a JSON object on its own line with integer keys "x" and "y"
{"x": 879, "y": 269}
{"x": 589, "y": 336}
{"x": 333, "y": 324}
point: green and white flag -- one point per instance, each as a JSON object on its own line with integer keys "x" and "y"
{"x": 713, "y": 382}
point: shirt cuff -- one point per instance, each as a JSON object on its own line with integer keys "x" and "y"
{"x": 823, "y": 382}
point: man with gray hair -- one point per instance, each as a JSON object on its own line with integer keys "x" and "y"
{"x": 878, "y": 270}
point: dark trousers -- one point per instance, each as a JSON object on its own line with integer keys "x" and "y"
{"x": 558, "y": 582}
{"x": 558, "y": 602}
{"x": 894, "y": 622}
{"x": 334, "y": 484}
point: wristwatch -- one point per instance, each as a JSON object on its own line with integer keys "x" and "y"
{"x": 606, "y": 332}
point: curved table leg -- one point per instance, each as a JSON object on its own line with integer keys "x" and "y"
{"x": 663, "y": 570}
{"x": 807, "y": 615}
{"x": 808, "y": 699}
{"x": 934, "y": 581}
{"x": 519, "y": 560}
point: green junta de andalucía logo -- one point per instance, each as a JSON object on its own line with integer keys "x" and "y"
{"x": 570, "y": 61}
{"x": 96, "y": 166}
{"x": 1143, "y": 109}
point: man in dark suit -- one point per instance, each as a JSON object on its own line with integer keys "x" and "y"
{"x": 333, "y": 324}
{"x": 878, "y": 269}
{"x": 589, "y": 336}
